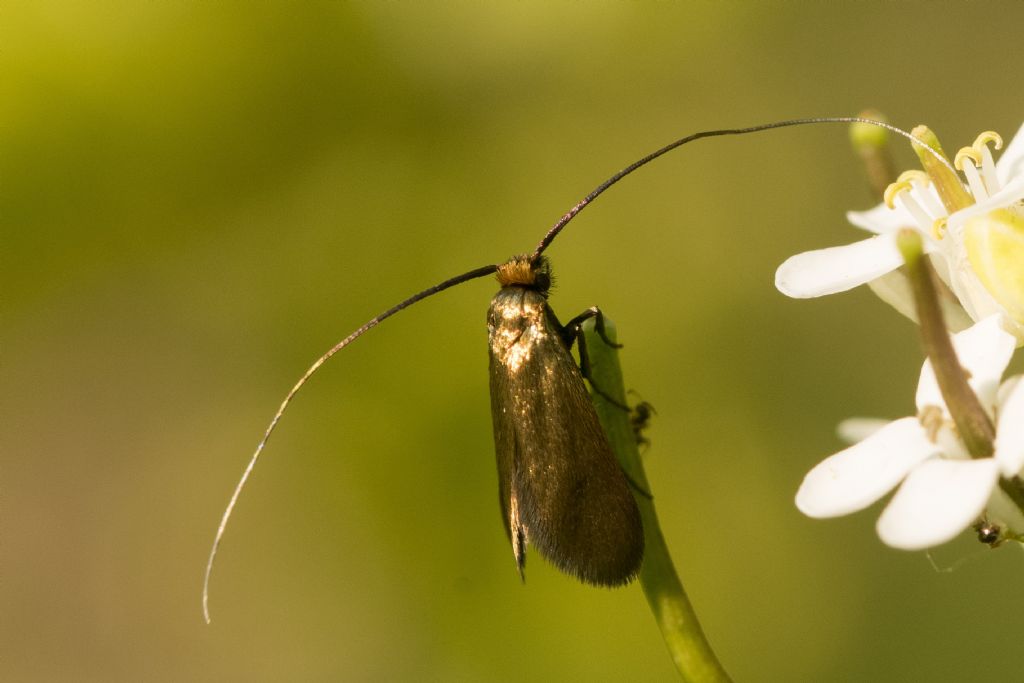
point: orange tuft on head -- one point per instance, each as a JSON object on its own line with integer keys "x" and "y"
{"x": 517, "y": 271}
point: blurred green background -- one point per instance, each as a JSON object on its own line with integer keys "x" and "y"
{"x": 199, "y": 199}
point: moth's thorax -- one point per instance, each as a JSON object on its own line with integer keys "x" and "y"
{"x": 516, "y": 323}
{"x": 519, "y": 271}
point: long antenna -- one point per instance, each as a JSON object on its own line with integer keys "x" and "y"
{"x": 373, "y": 322}
{"x": 557, "y": 227}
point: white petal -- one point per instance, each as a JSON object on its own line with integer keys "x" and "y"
{"x": 984, "y": 350}
{"x": 940, "y": 262}
{"x": 894, "y": 289}
{"x": 837, "y": 269}
{"x": 882, "y": 220}
{"x": 854, "y": 478}
{"x": 855, "y": 429}
{"x": 1010, "y": 430}
{"x": 1005, "y": 389}
{"x": 1012, "y": 193}
{"x": 939, "y": 499}
{"x": 1011, "y": 162}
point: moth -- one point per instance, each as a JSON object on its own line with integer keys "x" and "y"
{"x": 560, "y": 487}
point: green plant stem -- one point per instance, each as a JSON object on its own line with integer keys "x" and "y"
{"x": 687, "y": 644}
{"x": 972, "y": 423}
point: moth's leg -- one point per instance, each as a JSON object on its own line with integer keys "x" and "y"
{"x": 572, "y": 331}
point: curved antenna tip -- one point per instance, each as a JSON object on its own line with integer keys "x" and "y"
{"x": 552, "y": 233}
{"x": 373, "y": 322}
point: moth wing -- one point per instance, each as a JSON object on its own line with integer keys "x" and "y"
{"x": 560, "y": 487}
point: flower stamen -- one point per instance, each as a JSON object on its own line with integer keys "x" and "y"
{"x": 986, "y": 137}
{"x": 988, "y": 166}
{"x": 931, "y": 420}
{"x": 894, "y": 191}
{"x": 970, "y": 171}
{"x": 901, "y": 188}
{"x": 931, "y": 202}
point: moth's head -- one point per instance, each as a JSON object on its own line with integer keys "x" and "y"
{"x": 518, "y": 271}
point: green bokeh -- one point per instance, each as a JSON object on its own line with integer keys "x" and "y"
{"x": 198, "y": 199}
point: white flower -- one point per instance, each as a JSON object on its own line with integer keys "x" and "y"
{"x": 977, "y": 251}
{"x": 943, "y": 490}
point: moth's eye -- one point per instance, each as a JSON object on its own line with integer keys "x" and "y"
{"x": 542, "y": 281}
